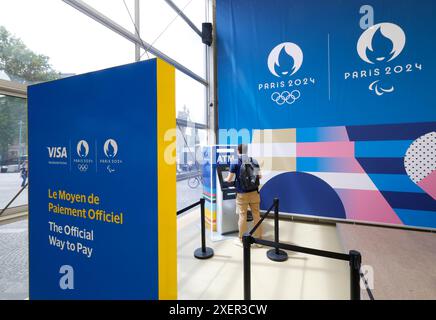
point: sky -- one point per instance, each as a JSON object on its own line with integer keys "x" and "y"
{"x": 77, "y": 44}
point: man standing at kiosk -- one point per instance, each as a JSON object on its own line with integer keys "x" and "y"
{"x": 246, "y": 174}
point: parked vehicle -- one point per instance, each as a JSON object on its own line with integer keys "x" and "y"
{"x": 12, "y": 165}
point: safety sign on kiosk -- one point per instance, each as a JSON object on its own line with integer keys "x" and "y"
{"x": 101, "y": 223}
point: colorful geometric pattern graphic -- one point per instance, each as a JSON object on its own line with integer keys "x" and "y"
{"x": 420, "y": 163}
{"x": 379, "y": 173}
{"x": 304, "y": 193}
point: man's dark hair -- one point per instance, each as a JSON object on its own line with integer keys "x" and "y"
{"x": 242, "y": 148}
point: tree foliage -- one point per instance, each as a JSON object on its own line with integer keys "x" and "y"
{"x": 21, "y": 63}
{"x": 12, "y": 112}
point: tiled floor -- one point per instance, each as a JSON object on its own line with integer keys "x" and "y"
{"x": 403, "y": 262}
{"x": 301, "y": 277}
{"x": 13, "y": 261}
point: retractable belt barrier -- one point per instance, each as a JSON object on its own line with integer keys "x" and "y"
{"x": 353, "y": 257}
{"x": 203, "y": 252}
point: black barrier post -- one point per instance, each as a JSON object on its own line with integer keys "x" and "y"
{"x": 355, "y": 264}
{"x": 13, "y": 199}
{"x": 203, "y": 252}
{"x": 247, "y": 240}
{"x": 276, "y": 254}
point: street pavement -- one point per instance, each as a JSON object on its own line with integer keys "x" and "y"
{"x": 14, "y": 276}
{"x": 10, "y": 184}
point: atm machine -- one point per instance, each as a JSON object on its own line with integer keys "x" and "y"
{"x": 227, "y": 219}
{"x": 220, "y": 195}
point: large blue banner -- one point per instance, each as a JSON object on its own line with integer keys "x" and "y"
{"x": 337, "y": 99}
{"x": 93, "y": 164}
{"x": 300, "y": 63}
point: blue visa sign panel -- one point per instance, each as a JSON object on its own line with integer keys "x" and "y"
{"x": 93, "y": 164}
{"x": 337, "y": 99}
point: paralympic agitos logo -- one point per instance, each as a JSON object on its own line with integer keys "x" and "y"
{"x": 283, "y": 62}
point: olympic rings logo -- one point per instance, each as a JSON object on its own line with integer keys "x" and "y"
{"x": 285, "y": 97}
{"x": 82, "y": 167}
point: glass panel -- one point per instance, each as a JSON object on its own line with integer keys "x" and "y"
{"x": 194, "y": 10}
{"x": 42, "y": 40}
{"x": 190, "y": 99}
{"x": 116, "y": 11}
{"x": 190, "y": 142}
{"x": 13, "y": 150}
{"x": 161, "y": 27}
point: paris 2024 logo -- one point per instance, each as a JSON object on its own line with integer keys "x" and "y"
{"x": 284, "y": 87}
{"x": 379, "y": 46}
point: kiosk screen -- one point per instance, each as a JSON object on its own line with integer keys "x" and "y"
{"x": 226, "y": 174}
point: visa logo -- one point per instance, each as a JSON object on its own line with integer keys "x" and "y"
{"x": 57, "y": 152}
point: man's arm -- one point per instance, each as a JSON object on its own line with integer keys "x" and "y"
{"x": 230, "y": 177}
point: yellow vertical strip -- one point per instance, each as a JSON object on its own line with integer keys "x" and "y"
{"x": 167, "y": 223}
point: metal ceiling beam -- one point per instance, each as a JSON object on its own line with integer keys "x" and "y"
{"x": 112, "y": 25}
{"x": 13, "y": 89}
{"x": 184, "y": 17}
{"x": 138, "y": 31}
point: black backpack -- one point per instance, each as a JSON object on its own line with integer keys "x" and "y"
{"x": 248, "y": 175}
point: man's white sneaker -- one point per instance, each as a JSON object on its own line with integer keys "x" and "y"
{"x": 238, "y": 242}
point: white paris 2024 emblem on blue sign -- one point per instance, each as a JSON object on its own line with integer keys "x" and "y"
{"x": 390, "y": 32}
{"x": 284, "y": 61}
{"x": 82, "y": 149}
{"x": 82, "y": 161}
{"x": 294, "y": 53}
{"x": 110, "y": 148}
{"x": 379, "y": 45}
